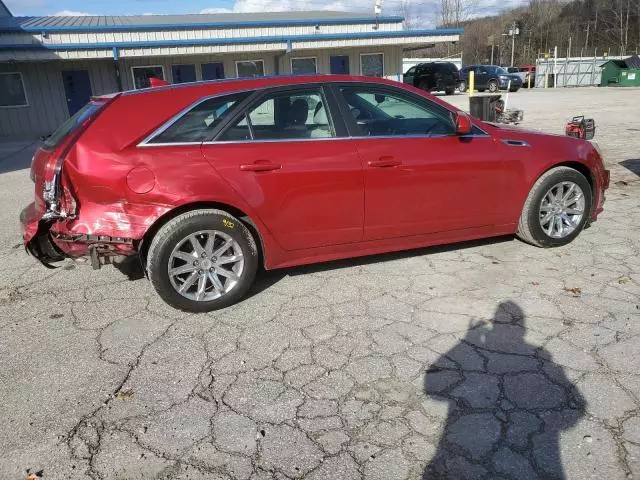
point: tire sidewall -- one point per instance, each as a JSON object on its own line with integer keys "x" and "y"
{"x": 493, "y": 86}
{"x": 158, "y": 266}
{"x": 533, "y": 214}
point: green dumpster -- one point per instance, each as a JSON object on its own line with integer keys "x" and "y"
{"x": 621, "y": 73}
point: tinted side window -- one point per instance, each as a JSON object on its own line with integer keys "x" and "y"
{"x": 198, "y": 124}
{"x": 380, "y": 113}
{"x": 286, "y": 115}
{"x": 411, "y": 71}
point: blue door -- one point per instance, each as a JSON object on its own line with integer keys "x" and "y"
{"x": 339, "y": 64}
{"x": 77, "y": 88}
{"x": 183, "y": 73}
{"x": 212, "y": 71}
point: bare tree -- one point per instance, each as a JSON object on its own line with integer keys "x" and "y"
{"x": 409, "y": 12}
{"x": 455, "y": 12}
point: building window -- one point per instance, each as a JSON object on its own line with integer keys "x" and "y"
{"x": 12, "y": 91}
{"x": 372, "y": 64}
{"x": 183, "y": 73}
{"x": 212, "y": 71}
{"x": 339, "y": 64}
{"x": 250, "y": 68}
{"x": 303, "y": 66}
{"x": 141, "y": 75}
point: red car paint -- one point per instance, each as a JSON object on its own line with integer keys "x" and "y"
{"x": 316, "y": 200}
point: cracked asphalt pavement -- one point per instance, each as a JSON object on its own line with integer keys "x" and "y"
{"x": 490, "y": 359}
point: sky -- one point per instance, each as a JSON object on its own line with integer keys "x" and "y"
{"x": 422, "y": 12}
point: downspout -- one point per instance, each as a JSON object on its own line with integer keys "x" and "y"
{"x": 277, "y": 58}
{"x": 116, "y": 66}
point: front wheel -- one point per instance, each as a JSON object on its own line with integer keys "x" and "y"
{"x": 557, "y": 208}
{"x": 449, "y": 91}
{"x": 493, "y": 86}
{"x": 462, "y": 87}
{"x": 202, "y": 260}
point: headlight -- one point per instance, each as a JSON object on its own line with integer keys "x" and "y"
{"x": 503, "y": 77}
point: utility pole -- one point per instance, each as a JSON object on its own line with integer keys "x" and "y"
{"x": 512, "y": 33}
{"x": 513, "y": 42}
{"x": 586, "y": 41}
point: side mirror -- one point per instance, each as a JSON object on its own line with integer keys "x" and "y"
{"x": 463, "y": 124}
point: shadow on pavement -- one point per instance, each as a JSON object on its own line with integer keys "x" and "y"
{"x": 268, "y": 278}
{"x": 507, "y": 404}
{"x": 632, "y": 164}
{"x": 16, "y": 155}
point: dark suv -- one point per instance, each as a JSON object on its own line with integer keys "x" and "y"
{"x": 489, "y": 77}
{"x": 434, "y": 76}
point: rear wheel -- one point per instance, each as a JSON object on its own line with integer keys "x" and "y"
{"x": 493, "y": 86}
{"x": 202, "y": 260}
{"x": 557, "y": 208}
{"x": 514, "y": 89}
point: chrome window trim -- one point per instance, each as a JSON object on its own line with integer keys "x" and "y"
{"x": 271, "y": 93}
{"x": 319, "y": 139}
{"x": 180, "y": 114}
{"x": 177, "y": 116}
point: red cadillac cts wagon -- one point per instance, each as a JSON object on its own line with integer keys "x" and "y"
{"x": 204, "y": 182}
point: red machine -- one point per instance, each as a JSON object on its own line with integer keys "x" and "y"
{"x": 581, "y": 127}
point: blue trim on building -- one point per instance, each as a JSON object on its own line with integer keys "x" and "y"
{"x": 232, "y": 41}
{"x": 197, "y": 25}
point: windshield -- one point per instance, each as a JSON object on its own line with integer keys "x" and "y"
{"x": 501, "y": 71}
{"x": 68, "y": 127}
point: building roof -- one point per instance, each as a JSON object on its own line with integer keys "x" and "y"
{"x": 4, "y": 11}
{"x": 150, "y": 22}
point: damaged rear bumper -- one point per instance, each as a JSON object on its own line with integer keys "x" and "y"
{"x": 35, "y": 235}
{"x": 49, "y": 241}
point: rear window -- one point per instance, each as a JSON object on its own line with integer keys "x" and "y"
{"x": 71, "y": 125}
{"x": 447, "y": 67}
{"x": 198, "y": 124}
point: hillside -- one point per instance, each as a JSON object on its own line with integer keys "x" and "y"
{"x": 584, "y": 27}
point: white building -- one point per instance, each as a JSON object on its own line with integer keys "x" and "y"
{"x": 50, "y": 66}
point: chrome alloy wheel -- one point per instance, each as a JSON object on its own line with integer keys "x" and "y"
{"x": 562, "y": 209}
{"x": 205, "y": 265}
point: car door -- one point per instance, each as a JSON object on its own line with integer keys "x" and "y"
{"x": 288, "y": 155}
{"x": 482, "y": 76}
{"x": 420, "y": 177}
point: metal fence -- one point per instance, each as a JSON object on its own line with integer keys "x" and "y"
{"x": 571, "y": 72}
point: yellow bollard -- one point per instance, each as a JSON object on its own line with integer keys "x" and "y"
{"x": 546, "y": 80}
{"x": 471, "y": 81}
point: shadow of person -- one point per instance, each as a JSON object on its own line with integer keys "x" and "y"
{"x": 507, "y": 404}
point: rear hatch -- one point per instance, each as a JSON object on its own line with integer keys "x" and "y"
{"x": 447, "y": 73}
